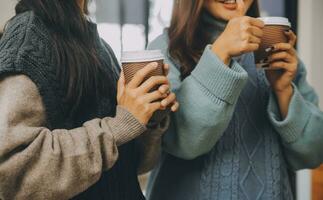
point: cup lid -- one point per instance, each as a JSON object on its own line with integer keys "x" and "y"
{"x": 275, "y": 21}
{"x": 141, "y": 56}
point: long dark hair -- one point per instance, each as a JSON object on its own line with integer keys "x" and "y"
{"x": 79, "y": 69}
{"x": 184, "y": 31}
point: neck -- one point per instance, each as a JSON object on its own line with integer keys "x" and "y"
{"x": 213, "y": 26}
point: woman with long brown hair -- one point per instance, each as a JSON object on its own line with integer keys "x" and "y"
{"x": 68, "y": 128}
{"x": 240, "y": 129}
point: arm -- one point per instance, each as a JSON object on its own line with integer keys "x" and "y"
{"x": 302, "y": 129}
{"x": 207, "y": 100}
{"x": 149, "y": 145}
{"x": 37, "y": 163}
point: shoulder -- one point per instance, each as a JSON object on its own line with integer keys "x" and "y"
{"x": 161, "y": 42}
{"x": 20, "y": 86}
{"x": 24, "y": 26}
{"x": 25, "y": 37}
{"x": 21, "y": 101}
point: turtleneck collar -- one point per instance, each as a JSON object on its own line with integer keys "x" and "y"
{"x": 213, "y": 26}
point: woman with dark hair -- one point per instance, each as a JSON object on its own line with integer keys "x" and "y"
{"x": 67, "y": 129}
{"x": 240, "y": 129}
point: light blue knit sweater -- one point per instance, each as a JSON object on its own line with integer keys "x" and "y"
{"x": 228, "y": 140}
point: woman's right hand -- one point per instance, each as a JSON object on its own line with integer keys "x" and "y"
{"x": 136, "y": 97}
{"x": 241, "y": 35}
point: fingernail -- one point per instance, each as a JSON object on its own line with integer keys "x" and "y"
{"x": 269, "y": 49}
{"x": 164, "y": 103}
{"x": 154, "y": 64}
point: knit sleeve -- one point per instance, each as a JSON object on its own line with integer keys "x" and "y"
{"x": 207, "y": 101}
{"x": 37, "y": 163}
{"x": 302, "y": 130}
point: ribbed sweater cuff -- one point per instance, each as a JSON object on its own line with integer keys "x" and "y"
{"x": 125, "y": 127}
{"x": 291, "y": 128}
{"x": 225, "y": 83}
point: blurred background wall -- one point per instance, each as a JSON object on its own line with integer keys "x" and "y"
{"x": 310, "y": 48}
{"x": 6, "y": 11}
{"x": 130, "y": 24}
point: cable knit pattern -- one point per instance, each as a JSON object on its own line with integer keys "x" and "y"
{"x": 232, "y": 170}
{"x": 27, "y": 48}
{"x": 247, "y": 162}
{"x": 24, "y": 47}
{"x": 233, "y": 145}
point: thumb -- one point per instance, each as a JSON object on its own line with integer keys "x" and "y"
{"x": 241, "y": 8}
{"x": 121, "y": 85}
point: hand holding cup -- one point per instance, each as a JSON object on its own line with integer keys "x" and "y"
{"x": 145, "y": 76}
{"x": 241, "y": 35}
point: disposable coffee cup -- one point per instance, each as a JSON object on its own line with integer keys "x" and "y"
{"x": 274, "y": 33}
{"x": 133, "y": 61}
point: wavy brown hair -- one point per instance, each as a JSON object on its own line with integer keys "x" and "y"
{"x": 186, "y": 36}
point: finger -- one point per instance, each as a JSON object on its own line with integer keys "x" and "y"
{"x": 257, "y": 22}
{"x": 170, "y": 99}
{"x": 241, "y": 8}
{"x": 279, "y": 65}
{"x": 164, "y": 89}
{"x": 153, "y": 82}
{"x": 140, "y": 76}
{"x": 166, "y": 69}
{"x": 250, "y": 47}
{"x": 155, "y": 106}
{"x": 175, "y": 107}
{"x": 283, "y": 47}
{"x": 254, "y": 39}
{"x": 283, "y": 55}
{"x": 121, "y": 84}
{"x": 292, "y": 38}
{"x": 256, "y": 31}
{"x": 154, "y": 96}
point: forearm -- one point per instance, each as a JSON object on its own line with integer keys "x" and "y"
{"x": 60, "y": 164}
{"x": 37, "y": 163}
{"x": 207, "y": 100}
{"x": 301, "y": 131}
{"x": 283, "y": 99}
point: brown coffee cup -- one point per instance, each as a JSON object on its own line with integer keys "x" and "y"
{"x": 274, "y": 33}
{"x": 133, "y": 61}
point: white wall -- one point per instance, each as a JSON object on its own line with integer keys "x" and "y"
{"x": 310, "y": 42}
{"x": 6, "y": 11}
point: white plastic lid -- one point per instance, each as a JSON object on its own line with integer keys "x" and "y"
{"x": 141, "y": 56}
{"x": 275, "y": 21}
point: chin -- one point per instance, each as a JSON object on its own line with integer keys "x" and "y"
{"x": 226, "y": 17}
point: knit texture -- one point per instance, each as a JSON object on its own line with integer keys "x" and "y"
{"x": 27, "y": 48}
{"x": 228, "y": 142}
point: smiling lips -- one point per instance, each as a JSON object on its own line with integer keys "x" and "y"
{"x": 229, "y": 4}
{"x": 228, "y": 1}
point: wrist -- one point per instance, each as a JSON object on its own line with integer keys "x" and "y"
{"x": 220, "y": 51}
{"x": 284, "y": 97}
{"x": 286, "y": 92}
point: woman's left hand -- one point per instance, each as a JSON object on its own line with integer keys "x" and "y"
{"x": 282, "y": 71}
